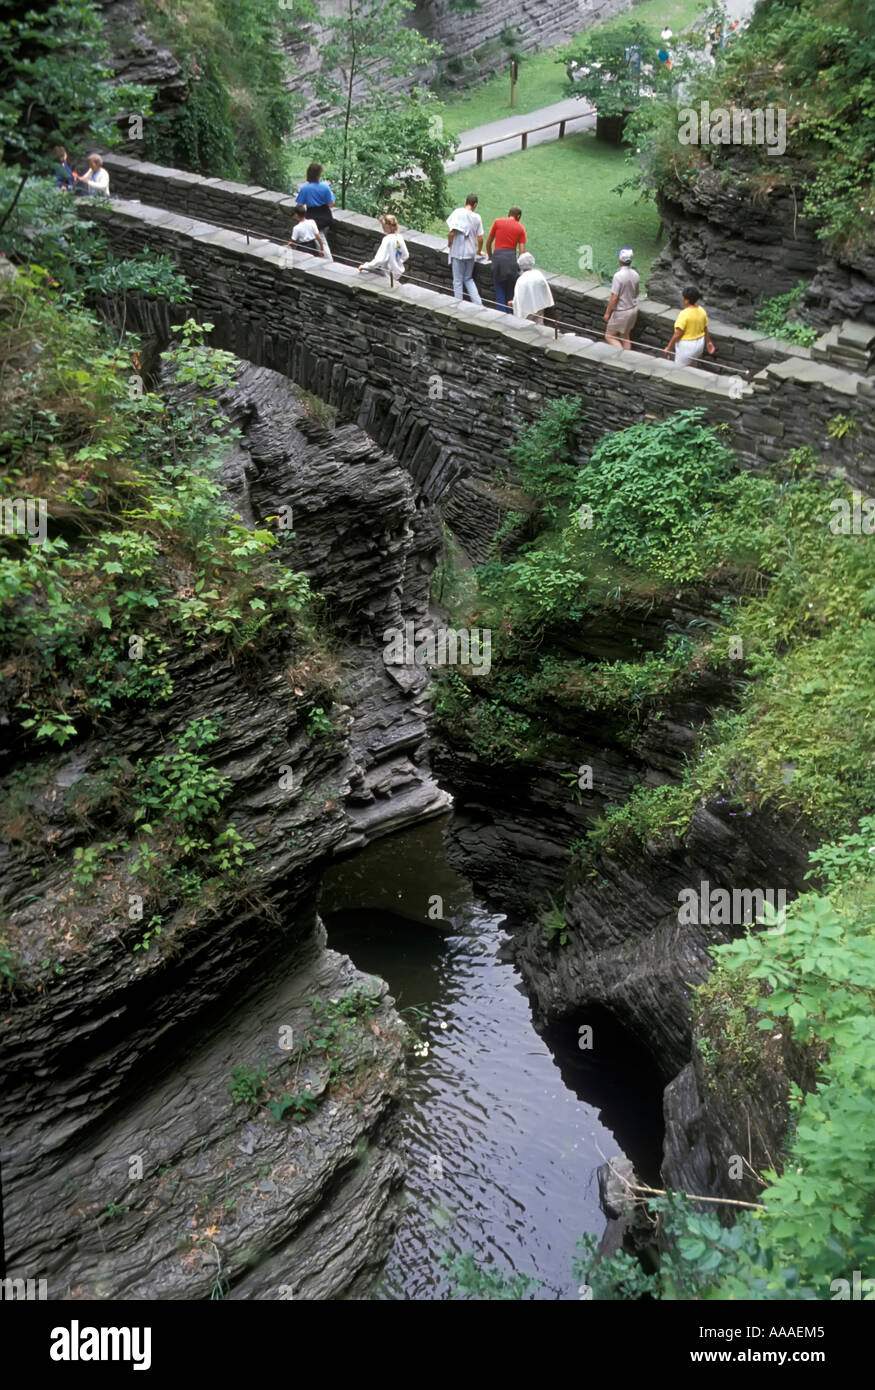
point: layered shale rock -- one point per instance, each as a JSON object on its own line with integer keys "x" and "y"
{"x": 128, "y": 1168}
{"x": 627, "y": 957}
{"x": 779, "y": 248}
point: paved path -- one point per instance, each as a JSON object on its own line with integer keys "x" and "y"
{"x": 579, "y": 115}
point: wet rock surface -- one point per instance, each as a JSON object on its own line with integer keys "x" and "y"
{"x": 780, "y": 247}
{"x": 626, "y": 953}
{"x": 112, "y": 1053}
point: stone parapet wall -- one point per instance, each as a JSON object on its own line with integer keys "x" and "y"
{"x": 445, "y": 386}
{"x": 579, "y": 303}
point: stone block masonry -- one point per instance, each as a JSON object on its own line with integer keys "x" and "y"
{"x": 445, "y": 386}
{"x": 264, "y": 212}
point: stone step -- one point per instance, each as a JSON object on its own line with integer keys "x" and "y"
{"x": 857, "y": 335}
{"x": 855, "y": 362}
{"x": 820, "y": 350}
{"x": 833, "y": 348}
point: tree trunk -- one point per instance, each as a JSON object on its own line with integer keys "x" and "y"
{"x": 9, "y": 211}
{"x": 344, "y": 173}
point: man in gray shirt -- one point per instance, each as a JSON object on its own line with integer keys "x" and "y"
{"x": 622, "y": 310}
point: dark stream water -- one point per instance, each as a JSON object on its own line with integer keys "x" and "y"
{"x": 503, "y": 1133}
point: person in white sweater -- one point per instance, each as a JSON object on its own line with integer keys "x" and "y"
{"x": 392, "y": 256}
{"x": 531, "y": 293}
{"x": 96, "y": 181}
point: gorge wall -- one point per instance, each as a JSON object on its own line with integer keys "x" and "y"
{"x": 779, "y": 248}
{"x": 626, "y": 957}
{"x": 474, "y": 44}
{"x": 119, "y": 1054}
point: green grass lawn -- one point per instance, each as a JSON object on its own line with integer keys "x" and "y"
{"x": 542, "y": 79}
{"x": 564, "y": 189}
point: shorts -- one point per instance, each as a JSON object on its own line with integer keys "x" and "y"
{"x": 688, "y": 349}
{"x": 621, "y": 322}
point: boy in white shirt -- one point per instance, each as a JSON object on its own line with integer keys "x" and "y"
{"x": 307, "y": 236}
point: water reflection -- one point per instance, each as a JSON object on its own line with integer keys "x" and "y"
{"x": 502, "y": 1153}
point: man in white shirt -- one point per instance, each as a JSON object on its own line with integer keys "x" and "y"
{"x": 622, "y": 311}
{"x": 465, "y": 242}
{"x": 531, "y": 293}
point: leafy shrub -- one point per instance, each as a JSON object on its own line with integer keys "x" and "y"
{"x": 649, "y": 487}
{"x": 544, "y": 454}
{"x": 815, "y": 64}
{"x": 8, "y": 967}
{"x": 395, "y": 155}
{"x": 177, "y": 799}
{"x": 88, "y": 862}
{"x": 180, "y": 786}
{"x": 320, "y": 726}
{"x": 301, "y": 1103}
{"x": 553, "y": 925}
{"x": 154, "y": 929}
{"x": 247, "y": 1085}
{"x": 466, "y": 1277}
{"x": 151, "y": 550}
{"x": 771, "y": 318}
{"x": 649, "y": 811}
{"x": 816, "y": 1221}
{"x": 238, "y": 110}
{"x": 607, "y": 78}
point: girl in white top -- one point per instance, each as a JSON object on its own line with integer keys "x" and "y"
{"x": 392, "y": 256}
{"x": 97, "y": 178}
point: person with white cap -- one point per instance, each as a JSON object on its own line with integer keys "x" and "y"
{"x": 622, "y": 310}
{"x": 531, "y": 293}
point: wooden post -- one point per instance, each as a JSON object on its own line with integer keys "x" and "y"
{"x": 525, "y": 144}
{"x": 561, "y": 130}
{"x": 514, "y": 72}
{"x": 479, "y": 154}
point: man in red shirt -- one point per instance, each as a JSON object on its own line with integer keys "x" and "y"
{"x": 508, "y": 236}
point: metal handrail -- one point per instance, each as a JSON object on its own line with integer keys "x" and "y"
{"x": 557, "y": 324}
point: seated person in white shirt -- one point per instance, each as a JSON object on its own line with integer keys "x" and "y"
{"x": 96, "y": 181}
{"x": 307, "y": 237}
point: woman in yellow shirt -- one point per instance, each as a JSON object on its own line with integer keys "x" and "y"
{"x": 691, "y": 336}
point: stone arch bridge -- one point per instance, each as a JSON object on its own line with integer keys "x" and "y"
{"x": 444, "y": 386}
